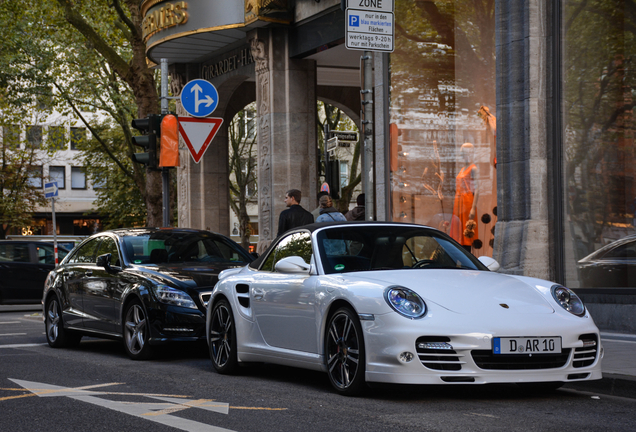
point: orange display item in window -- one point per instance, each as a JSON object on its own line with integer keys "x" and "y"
{"x": 464, "y": 197}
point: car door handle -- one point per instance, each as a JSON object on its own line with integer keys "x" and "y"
{"x": 89, "y": 273}
{"x": 258, "y": 294}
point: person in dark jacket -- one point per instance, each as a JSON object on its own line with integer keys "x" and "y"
{"x": 327, "y": 212}
{"x": 356, "y": 213}
{"x": 295, "y": 215}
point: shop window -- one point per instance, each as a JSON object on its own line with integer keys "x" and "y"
{"x": 78, "y": 136}
{"x": 34, "y": 136}
{"x": 11, "y": 136}
{"x": 78, "y": 178}
{"x": 57, "y": 137}
{"x": 598, "y": 137}
{"x": 442, "y": 119}
{"x": 58, "y": 174}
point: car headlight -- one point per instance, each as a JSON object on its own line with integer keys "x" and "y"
{"x": 405, "y": 302}
{"x": 172, "y": 296}
{"x": 568, "y": 300}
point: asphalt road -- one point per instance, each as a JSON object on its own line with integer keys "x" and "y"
{"x": 95, "y": 387}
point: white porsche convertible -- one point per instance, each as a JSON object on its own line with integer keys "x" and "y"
{"x": 397, "y": 303}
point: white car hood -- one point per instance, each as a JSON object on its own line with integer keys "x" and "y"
{"x": 466, "y": 291}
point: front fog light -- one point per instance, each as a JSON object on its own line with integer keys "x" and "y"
{"x": 406, "y": 357}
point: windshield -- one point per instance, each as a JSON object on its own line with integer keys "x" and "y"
{"x": 351, "y": 248}
{"x": 170, "y": 247}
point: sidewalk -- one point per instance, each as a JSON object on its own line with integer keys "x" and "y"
{"x": 619, "y": 367}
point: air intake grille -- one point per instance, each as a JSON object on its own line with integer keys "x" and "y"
{"x": 587, "y": 355}
{"x": 485, "y": 359}
{"x": 438, "y": 358}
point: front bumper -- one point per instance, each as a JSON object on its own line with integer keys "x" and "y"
{"x": 173, "y": 323}
{"x": 469, "y": 360}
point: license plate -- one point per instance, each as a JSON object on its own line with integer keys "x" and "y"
{"x": 527, "y": 345}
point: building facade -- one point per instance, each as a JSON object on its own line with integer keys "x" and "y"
{"x": 490, "y": 122}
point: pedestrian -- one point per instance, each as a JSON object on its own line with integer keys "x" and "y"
{"x": 295, "y": 215}
{"x": 327, "y": 212}
{"x": 316, "y": 212}
{"x": 356, "y": 213}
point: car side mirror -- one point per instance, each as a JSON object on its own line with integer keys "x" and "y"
{"x": 489, "y": 262}
{"x": 292, "y": 264}
{"x": 104, "y": 261}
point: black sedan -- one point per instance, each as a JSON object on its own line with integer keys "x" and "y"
{"x": 612, "y": 266}
{"x": 24, "y": 266}
{"x": 146, "y": 286}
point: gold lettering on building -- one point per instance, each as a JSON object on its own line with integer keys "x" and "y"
{"x": 168, "y": 15}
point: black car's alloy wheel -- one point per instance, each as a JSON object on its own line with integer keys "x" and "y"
{"x": 56, "y": 335}
{"x": 136, "y": 332}
{"x": 344, "y": 348}
{"x": 222, "y": 338}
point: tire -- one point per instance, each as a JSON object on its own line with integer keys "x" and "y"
{"x": 222, "y": 339}
{"x": 344, "y": 352}
{"x": 56, "y": 335}
{"x": 136, "y": 331}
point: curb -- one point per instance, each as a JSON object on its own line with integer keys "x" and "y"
{"x": 611, "y": 384}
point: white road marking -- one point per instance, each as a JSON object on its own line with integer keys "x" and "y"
{"x": 156, "y": 412}
{"x": 22, "y": 345}
{"x": 13, "y": 334}
{"x": 10, "y": 322}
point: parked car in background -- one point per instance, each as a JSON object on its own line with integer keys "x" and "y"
{"x": 24, "y": 266}
{"x": 397, "y": 303}
{"x": 146, "y": 286}
{"x": 612, "y": 266}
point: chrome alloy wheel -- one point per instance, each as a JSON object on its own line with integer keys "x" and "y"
{"x": 345, "y": 352}
{"x": 53, "y": 321}
{"x": 221, "y": 336}
{"x": 135, "y": 329}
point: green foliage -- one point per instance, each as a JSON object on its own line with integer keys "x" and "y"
{"x": 118, "y": 198}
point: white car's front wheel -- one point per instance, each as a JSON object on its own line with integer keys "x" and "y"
{"x": 222, "y": 338}
{"x": 344, "y": 351}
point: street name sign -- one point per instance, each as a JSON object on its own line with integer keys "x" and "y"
{"x": 345, "y": 136}
{"x": 50, "y": 190}
{"x": 198, "y": 133}
{"x": 199, "y": 98}
{"x": 370, "y": 25}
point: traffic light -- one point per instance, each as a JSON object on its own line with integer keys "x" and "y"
{"x": 149, "y": 127}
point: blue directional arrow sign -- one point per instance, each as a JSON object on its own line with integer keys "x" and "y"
{"x": 199, "y": 98}
{"x": 50, "y": 190}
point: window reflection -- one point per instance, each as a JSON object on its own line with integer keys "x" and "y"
{"x": 442, "y": 132}
{"x": 598, "y": 100}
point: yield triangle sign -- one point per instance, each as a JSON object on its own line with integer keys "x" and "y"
{"x": 198, "y": 133}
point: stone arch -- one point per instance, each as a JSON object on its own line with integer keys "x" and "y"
{"x": 347, "y": 99}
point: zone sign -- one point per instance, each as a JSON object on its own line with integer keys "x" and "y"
{"x": 375, "y": 5}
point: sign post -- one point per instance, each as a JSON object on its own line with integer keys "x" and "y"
{"x": 51, "y": 192}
